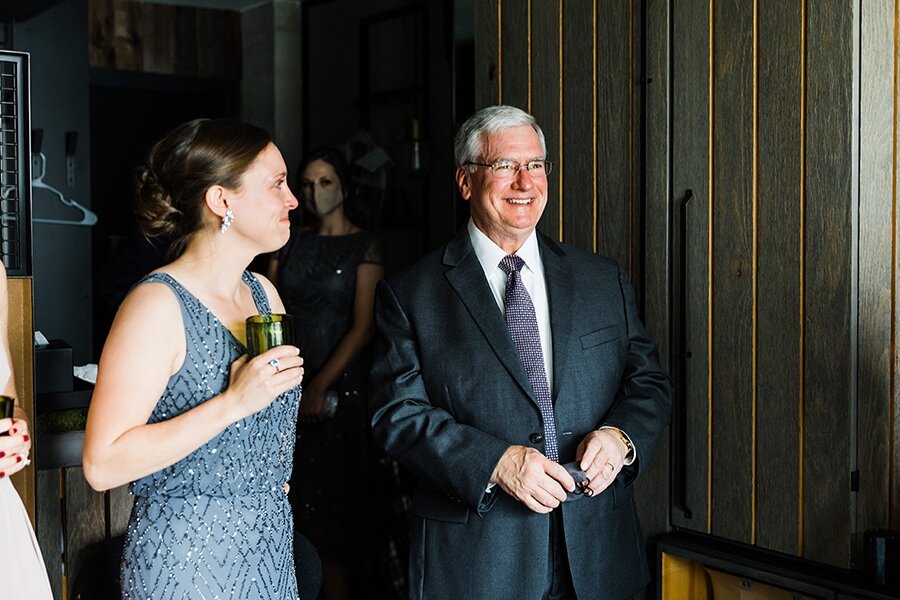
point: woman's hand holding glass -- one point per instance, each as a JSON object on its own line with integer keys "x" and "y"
{"x": 15, "y": 444}
{"x": 256, "y": 382}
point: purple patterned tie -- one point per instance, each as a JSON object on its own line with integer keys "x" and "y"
{"x": 522, "y": 323}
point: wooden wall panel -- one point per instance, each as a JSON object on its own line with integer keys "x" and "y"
{"x": 875, "y": 255}
{"x": 733, "y": 271}
{"x": 514, "y": 53}
{"x": 616, "y": 201}
{"x": 652, "y": 506}
{"x": 657, "y": 282}
{"x": 120, "y": 504}
{"x": 829, "y": 270}
{"x": 780, "y": 73}
{"x": 487, "y": 64}
{"x": 21, "y": 348}
{"x": 140, "y": 36}
{"x": 894, "y": 410}
{"x": 49, "y": 530}
{"x": 85, "y": 522}
{"x": 691, "y": 104}
{"x": 545, "y": 101}
{"x": 579, "y": 121}
{"x": 160, "y": 44}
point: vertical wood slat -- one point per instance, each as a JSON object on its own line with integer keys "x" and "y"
{"x": 828, "y": 273}
{"x": 894, "y": 490}
{"x": 733, "y": 270}
{"x": 652, "y": 503}
{"x": 486, "y": 54}
{"x": 545, "y": 99}
{"x": 577, "y": 170}
{"x": 159, "y": 43}
{"x": 615, "y": 201}
{"x": 85, "y": 521}
{"x": 49, "y": 526}
{"x": 778, "y": 293}
{"x": 21, "y": 347}
{"x": 514, "y": 53}
{"x": 658, "y": 210}
{"x": 120, "y": 503}
{"x": 875, "y": 255}
{"x": 690, "y": 146}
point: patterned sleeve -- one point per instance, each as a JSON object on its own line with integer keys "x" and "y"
{"x": 372, "y": 250}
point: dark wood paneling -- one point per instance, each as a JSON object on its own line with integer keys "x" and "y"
{"x": 160, "y": 46}
{"x": 486, "y": 66}
{"x": 616, "y": 203}
{"x": 545, "y": 104}
{"x": 85, "y": 522}
{"x": 577, "y": 168}
{"x": 894, "y": 506}
{"x": 778, "y": 289}
{"x": 829, "y": 269}
{"x": 656, "y": 187}
{"x": 20, "y": 335}
{"x": 514, "y": 53}
{"x": 120, "y": 504}
{"x": 733, "y": 271}
{"x": 48, "y": 530}
{"x": 690, "y": 171}
{"x": 652, "y": 501}
{"x": 875, "y": 256}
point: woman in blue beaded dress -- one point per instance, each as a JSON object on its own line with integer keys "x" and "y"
{"x": 204, "y": 434}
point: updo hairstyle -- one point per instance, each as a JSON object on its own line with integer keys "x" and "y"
{"x": 183, "y": 165}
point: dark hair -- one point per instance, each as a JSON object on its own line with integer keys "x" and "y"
{"x": 183, "y": 165}
{"x": 333, "y": 157}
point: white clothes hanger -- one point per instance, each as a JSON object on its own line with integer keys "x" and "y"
{"x": 88, "y": 217}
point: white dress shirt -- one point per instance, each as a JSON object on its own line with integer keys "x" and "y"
{"x": 489, "y": 255}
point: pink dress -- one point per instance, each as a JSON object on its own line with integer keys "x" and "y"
{"x": 22, "y": 568}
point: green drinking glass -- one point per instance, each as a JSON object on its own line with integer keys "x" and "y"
{"x": 268, "y": 331}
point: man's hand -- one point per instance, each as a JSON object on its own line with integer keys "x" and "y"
{"x": 532, "y": 478}
{"x": 600, "y": 455}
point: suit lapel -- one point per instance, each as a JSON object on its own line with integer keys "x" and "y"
{"x": 560, "y": 295}
{"x": 467, "y": 279}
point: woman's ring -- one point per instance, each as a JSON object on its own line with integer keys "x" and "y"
{"x": 274, "y": 362}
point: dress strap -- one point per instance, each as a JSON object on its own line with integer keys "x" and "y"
{"x": 258, "y": 292}
{"x": 167, "y": 279}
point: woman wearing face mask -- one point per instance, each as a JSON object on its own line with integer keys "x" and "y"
{"x": 326, "y": 274}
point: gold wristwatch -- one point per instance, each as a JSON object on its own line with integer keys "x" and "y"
{"x": 629, "y": 447}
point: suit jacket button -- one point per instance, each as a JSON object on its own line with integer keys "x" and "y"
{"x": 536, "y": 438}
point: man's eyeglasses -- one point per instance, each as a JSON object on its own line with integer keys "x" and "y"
{"x": 509, "y": 168}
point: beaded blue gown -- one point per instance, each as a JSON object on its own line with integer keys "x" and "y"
{"x": 217, "y": 523}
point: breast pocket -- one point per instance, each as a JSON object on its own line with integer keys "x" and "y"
{"x": 600, "y": 336}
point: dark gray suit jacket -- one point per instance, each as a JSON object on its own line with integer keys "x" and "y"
{"x": 450, "y": 395}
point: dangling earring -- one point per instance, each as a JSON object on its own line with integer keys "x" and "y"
{"x": 227, "y": 220}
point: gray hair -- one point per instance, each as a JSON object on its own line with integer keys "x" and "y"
{"x": 467, "y": 146}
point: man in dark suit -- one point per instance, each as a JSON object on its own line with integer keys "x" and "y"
{"x": 502, "y": 357}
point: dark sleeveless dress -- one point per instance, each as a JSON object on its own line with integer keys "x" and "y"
{"x": 317, "y": 282}
{"x": 216, "y": 524}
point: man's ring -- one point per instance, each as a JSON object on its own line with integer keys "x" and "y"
{"x": 612, "y": 469}
{"x": 274, "y": 362}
